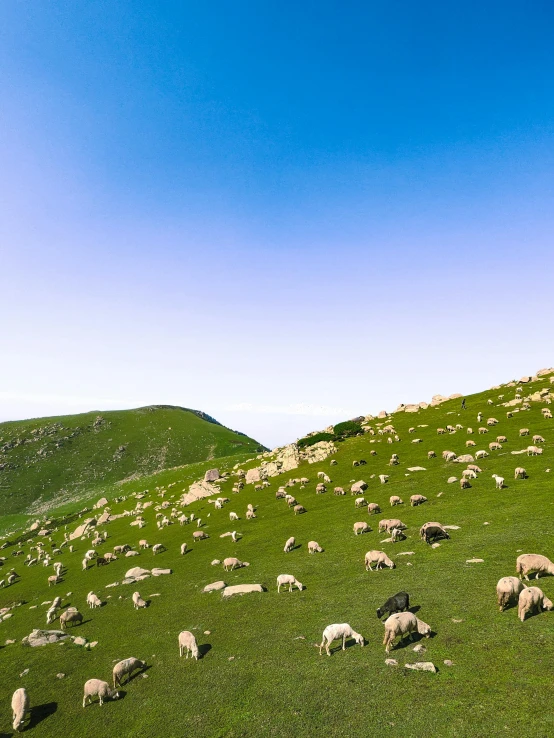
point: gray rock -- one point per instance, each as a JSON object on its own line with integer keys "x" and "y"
{"x": 214, "y": 586}
{"x": 136, "y": 572}
{"x": 159, "y": 572}
{"x": 39, "y": 637}
{"x": 211, "y": 475}
{"x": 420, "y": 648}
{"x": 80, "y": 641}
{"x": 242, "y": 589}
{"x": 391, "y": 662}
{"x": 422, "y": 666}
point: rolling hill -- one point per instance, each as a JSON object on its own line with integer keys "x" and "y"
{"x": 49, "y": 461}
{"x": 260, "y": 672}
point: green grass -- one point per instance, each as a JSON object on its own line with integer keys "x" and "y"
{"x": 261, "y": 674}
{"x": 47, "y": 462}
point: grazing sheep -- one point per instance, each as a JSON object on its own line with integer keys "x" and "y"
{"x": 431, "y": 532}
{"x": 534, "y": 451}
{"x": 449, "y": 455}
{"x": 520, "y": 473}
{"x": 314, "y": 547}
{"x": 470, "y": 443}
{"x": 441, "y": 431}
{"x": 94, "y": 687}
{"x": 284, "y": 579}
{"x": 464, "y": 483}
{"x": 469, "y": 473}
{"x": 71, "y": 615}
{"x": 532, "y": 599}
{"x": 379, "y": 558}
{"x": 233, "y": 516}
{"x": 397, "y": 603}
{"x": 279, "y": 495}
{"x": 138, "y": 602}
{"x": 291, "y": 501}
{"x": 158, "y": 548}
{"x": 335, "y": 632}
{"x": 360, "y": 502}
{"x": 389, "y": 523}
{"x": 250, "y": 515}
{"x": 397, "y": 535}
{"x": 54, "y": 579}
{"x": 187, "y": 642}
{"x": 233, "y": 563}
{"x": 199, "y": 535}
{"x": 395, "y": 500}
{"x": 383, "y": 478}
{"x": 401, "y": 624}
{"x": 499, "y": 481}
{"x": 501, "y": 439}
{"x": 482, "y": 431}
{"x": 51, "y": 615}
{"x": 93, "y": 600}
{"x": 183, "y": 549}
{"x": 507, "y": 590}
{"x": 481, "y": 455}
{"x": 320, "y": 489}
{"x": 492, "y": 421}
{"x": 533, "y": 563}
{"x": 469, "y": 431}
{"x": 361, "y": 527}
{"x": 58, "y": 567}
{"x": 524, "y": 432}
{"x": 416, "y": 500}
{"x": 479, "y": 417}
{"x": 339, "y": 491}
{"x": 538, "y": 439}
{"x": 475, "y": 468}
{"x": 57, "y": 602}
{"x": 431, "y": 454}
{"x": 547, "y": 414}
{"x": 494, "y": 446}
{"x": 20, "y": 706}
{"x": 299, "y": 509}
{"x": 373, "y": 508}
{"x": 290, "y": 544}
{"x": 126, "y": 667}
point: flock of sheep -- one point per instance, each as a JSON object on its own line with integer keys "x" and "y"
{"x": 400, "y": 623}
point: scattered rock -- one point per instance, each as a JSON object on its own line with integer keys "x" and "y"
{"x": 455, "y": 620}
{"x": 212, "y": 475}
{"x": 422, "y": 666}
{"x": 60, "y": 675}
{"x": 242, "y": 589}
{"x": 405, "y": 553}
{"x": 435, "y": 545}
{"x": 137, "y": 573}
{"x": 159, "y": 572}
{"x": 207, "y": 632}
{"x": 215, "y": 562}
{"x": 451, "y": 480}
{"x": 420, "y": 648}
{"x": 451, "y": 527}
{"x": 93, "y": 644}
{"x": 447, "y": 662}
{"x": 24, "y": 672}
{"x": 80, "y": 641}
{"x": 215, "y": 586}
{"x": 416, "y": 468}
{"x": 475, "y": 561}
{"x": 9, "y": 642}
{"x": 391, "y": 662}
{"x": 39, "y": 637}
{"x": 231, "y": 658}
{"x": 113, "y": 584}
{"x": 33, "y": 607}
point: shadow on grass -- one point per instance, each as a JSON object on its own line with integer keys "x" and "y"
{"x": 414, "y": 609}
{"x": 41, "y": 712}
{"x": 139, "y": 673}
{"x": 204, "y": 649}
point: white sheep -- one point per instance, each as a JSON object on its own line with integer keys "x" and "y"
{"x": 158, "y": 548}
{"x": 395, "y": 500}
{"x": 85, "y": 564}
{"x": 231, "y": 563}
{"x": 481, "y": 454}
{"x": 533, "y": 563}
{"x": 361, "y": 527}
{"x": 250, "y": 515}
{"x": 138, "y": 602}
{"x": 233, "y": 516}
{"x": 360, "y": 502}
{"x": 51, "y": 615}
{"x": 58, "y": 567}
{"x": 93, "y": 600}
{"x": 520, "y": 473}
{"x": 187, "y": 642}
{"x": 507, "y": 590}
{"x": 54, "y": 579}
{"x": 532, "y": 599}
{"x": 290, "y": 544}
{"x": 499, "y": 481}
{"x": 183, "y": 549}
{"x": 20, "y": 706}
{"x": 383, "y": 478}
{"x": 379, "y": 558}
{"x": 127, "y": 666}
{"x": 337, "y": 631}
{"x": 284, "y": 579}
{"x": 94, "y": 687}
{"x": 401, "y": 624}
{"x": 314, "y": 547}
{"x": 71, "y": 615}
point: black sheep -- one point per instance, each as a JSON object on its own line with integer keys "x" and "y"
{"x": 397, "y": 603}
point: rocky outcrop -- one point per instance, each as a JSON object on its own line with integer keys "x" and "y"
{"x": 212, "y": 475}
{"x": 82, "y": 529}
{"x": 198, "y": 490}
{"x": 39, "y": 637}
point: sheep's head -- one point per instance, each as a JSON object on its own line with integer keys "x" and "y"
{"x": 379, "y": 613}
{"x": 423, "y": 628}
{"x": 359, "y": 639}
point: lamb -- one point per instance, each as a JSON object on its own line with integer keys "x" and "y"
{"x": 507, "y": 590}
{"x": 401, "y": 624}
{"x": 93, "y": 600}
{"x": 95, "y": 687}
{"x": 299, "y": 509}
{"x": 54, "y": 579}
{"x": 395, "y": 500}
{"x": 143, "y": 543}
{"x": 373, "y": 508}
{"x": 187, "y": 642}
{"x": 520, "y": 473}
{"x": 233, "y": 516}
{"x": 416, "y": 500}
{"x": 532, "y": 599}
{"x": 335, "y": 632}
{"x": 51, "y": 615}
{"x": 339, "y": 491}
{"x": 464, "y": 483}
{"x": 158, "y": 548}
{"x": 431, "y": 454}
{"x": 524, "y": 432}
{"x": 379, "y": 558}
{"x": 397, "y": 603}
{"x": 284, "y": 579}
{"x": 361, "y": 527}
{"x": 231, "y": 563}
{"x": 320, "y": 489}
{"x": 183, "y": 549}
{"x": 360, "y": 502}
{"x": 138, "y": 602}
{"x": 383, "y": 478}
{"x": 481, "y": 454}
{"x": 495, "y": 446}
{"x": 314, "y": 547}
{"x": 20, "y": 706}
{"x": 199, "y": 535}
{"x": 126, "y": 667}
{"x": 533, "y": 563}
{"x": 499, "y": 481}
{"x": 250, "y": 515}
{"x": 290, "y": 544}
{"x": 71, "y": 615}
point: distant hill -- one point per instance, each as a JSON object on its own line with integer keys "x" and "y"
{"x": 53, "y": 460}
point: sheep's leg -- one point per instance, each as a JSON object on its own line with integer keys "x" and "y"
{"x": 344, "y": 643}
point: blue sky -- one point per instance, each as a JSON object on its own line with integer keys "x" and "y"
{"x": 283, "y": 214}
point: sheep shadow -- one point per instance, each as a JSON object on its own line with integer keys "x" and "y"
{"x": 298, "y": 545}
{"x": 414, "y": 609}
{"x": 204, "y": 649}
{"x": 41, "y": 712}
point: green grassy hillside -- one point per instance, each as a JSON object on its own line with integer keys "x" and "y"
{"x": 47, "y": 461}
{"x": 260, "y": 673}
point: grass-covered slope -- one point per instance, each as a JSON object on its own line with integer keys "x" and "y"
{"x": 260, "y": 673}
{"x": 47, "y": 461}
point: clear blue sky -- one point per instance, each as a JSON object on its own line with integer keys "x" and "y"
{"x": 283, "y": 213}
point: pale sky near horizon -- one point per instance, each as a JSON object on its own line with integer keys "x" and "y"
{"x": 284, "y": 214}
